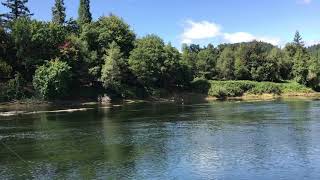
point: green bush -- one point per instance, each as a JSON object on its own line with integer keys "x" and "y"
{"x": 51, "y": 80}
{"x": 200, "y": 85}
{"x": 265, "y": 88}
{"x": 230, "y": 88}
{"x": 245, "y": 85}
{"x": 294, "y": 87}
{"x": 219, "y": 92}
{"x": 222, "y": 89}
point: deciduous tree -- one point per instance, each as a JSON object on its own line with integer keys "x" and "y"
{"x": 111, "y": 74}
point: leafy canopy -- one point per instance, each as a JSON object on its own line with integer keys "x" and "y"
{"x": 52, "y": 80}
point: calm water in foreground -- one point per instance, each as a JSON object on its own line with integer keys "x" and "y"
{"x": 216, "y": 140}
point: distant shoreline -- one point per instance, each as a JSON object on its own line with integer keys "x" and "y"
{"x": 17, "y": 108}
{"x": 262, "y": 97}
{"x": 176, "y": 97}
{"x": 179, "y": 98}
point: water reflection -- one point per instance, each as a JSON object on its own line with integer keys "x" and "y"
{"x": 220, "y": 140}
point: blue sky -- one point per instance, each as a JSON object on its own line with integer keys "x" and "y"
{"x": 206, "y": 21}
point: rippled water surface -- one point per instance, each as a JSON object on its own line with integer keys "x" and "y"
{"x": 217, "y": 140}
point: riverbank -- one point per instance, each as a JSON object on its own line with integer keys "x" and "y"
{"x": 262, "y": 97}
{"x": 202, "y": 91}
{"x": 251, "y": 89}
{"x": 181, "y": 98}
{"x": 13, "y": 109}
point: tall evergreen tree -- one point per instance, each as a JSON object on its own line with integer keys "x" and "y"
{"x": 298, "y": 40}
{"x": 59, "y": 12}
{"x": 17, "y": 8}
{"x": 84, "y": 12}
{"x": 300, "y": 59}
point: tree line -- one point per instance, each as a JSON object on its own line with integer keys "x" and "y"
{"x": 86, "y": 58}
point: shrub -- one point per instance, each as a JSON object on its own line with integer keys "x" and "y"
{"x": 51, "y": 80}
{"x": 222, "y": 89}
{"x": 265, "y": 88}
{"x": 230, "y": 88}
{"x": 200, "y": 85}
{"x": 294, "y": 87}
{"x": 227, "y": 91}
{"x": 219, "y": 92}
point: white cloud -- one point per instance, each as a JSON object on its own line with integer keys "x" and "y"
{"x": 238, "y": 37}
{"x": 205, "y": 30}
{"x": 247, "y": 37}
{"x": 311, "y": 42}
{"x": 200, "y": 30}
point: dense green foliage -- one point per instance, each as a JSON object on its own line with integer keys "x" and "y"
{"x": 59, "y": 12}
{"x": 223, "y": 89}
{"x": 52, "y": 79}
{"x": 104, "y": 56}
{"x": 14, "y": 89}
{"x": 34, "y": 42}
{"x": 84, "y": 12}
{"x": 200, "y": 85}
{"x": 5, "y": 69}
{"x": 115, "y": 64}
{"x": 147, "y": 60}
{"x": 17, "y": 9}
{"x": 266, "y": 88}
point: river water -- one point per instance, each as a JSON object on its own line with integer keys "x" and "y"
{"x": 216, "y": 140}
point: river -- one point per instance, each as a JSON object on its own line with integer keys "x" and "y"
{"x": 216, "y": 140}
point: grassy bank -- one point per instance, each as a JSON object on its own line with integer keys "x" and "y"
{"x": 227, "y": 89}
